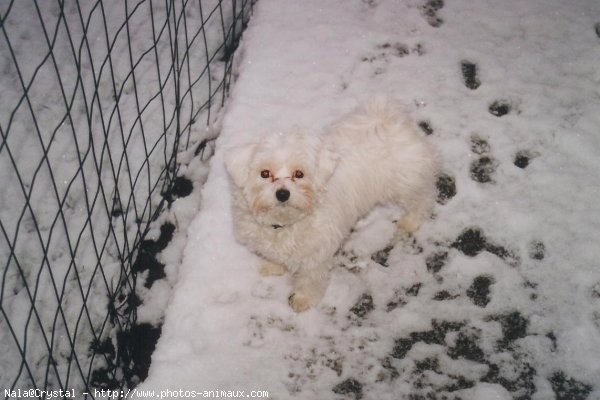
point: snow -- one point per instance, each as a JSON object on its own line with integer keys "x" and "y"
{"x": 403, "y": 316}
{"x": 308, "y": 63}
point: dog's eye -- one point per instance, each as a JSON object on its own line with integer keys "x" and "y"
{"x": 298, "y": 174}
{"x": 265, "y": 173}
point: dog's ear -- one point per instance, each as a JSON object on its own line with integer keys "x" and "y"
{"x": 327, "y": 162}
{"x": 237, "y": 163}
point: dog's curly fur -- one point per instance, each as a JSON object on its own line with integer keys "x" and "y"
{"x": 296, "y": 196}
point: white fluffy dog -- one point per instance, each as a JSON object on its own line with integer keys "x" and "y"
{"x": 296, "y": 197}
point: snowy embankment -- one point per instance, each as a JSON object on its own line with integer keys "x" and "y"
{"x": 498, "y": 295}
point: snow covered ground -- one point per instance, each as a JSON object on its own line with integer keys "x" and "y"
{"x": 498, "y": 296}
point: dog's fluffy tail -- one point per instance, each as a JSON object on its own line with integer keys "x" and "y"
{"x": 377, "y": 117}
{"x": 382, "y": 109}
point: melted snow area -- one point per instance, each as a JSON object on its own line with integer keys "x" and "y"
{"x": 498, "y": 295}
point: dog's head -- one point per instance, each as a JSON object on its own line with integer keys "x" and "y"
{"x": 281, "y": 176}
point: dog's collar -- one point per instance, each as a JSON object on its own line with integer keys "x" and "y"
{"x": 276, "y": 226}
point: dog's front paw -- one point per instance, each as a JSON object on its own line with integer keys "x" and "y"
{"x": 300, "y": 301}
{"x": 268, "y": 268}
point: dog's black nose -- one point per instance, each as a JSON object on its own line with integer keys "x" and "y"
{"x": 282, "y": 195}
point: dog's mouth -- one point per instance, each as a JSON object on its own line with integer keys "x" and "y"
{"x": 279, "y": 216}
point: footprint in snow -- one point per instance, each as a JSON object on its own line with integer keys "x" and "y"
{"x": 430, "y": 9}
{"x": 482, "y": 169}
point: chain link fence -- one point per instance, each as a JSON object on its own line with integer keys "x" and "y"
{"x": 97, "y": 99}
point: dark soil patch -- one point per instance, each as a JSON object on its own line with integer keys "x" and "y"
{"x": 103, "y": 378}
{"x": 117, "y": 208}
{"x": 513, "y": 371}
{"x": 537, "y": 250}
{"x": 402, "y": 347}
{"x": 469, "y": 72}
{"x": 201, "y": 148}
{"x": 596, "y": 290}
{"x": 386, "y": 363}
{"x": 460, "y": 383}
{"x": 181, "y": 187}
{"x": 436, "y": 261}
{"x": 397, "y": 302}
{"x": 400, "y": 50}
{"x": 165, "y": 237}
{"x": 426, "y": 127}
{"x": 434, "y": 336}
{"x": 436, "y": 21}
{"x": 479, "y": 145}
{"x": 472, "y": 241}
{"x": 336, "y": 365}
{"x": 132, "y": 303}
{"x": 483, "y": 168}
{"x": 522, "y": 159}
{"x": 104, "y": 347}
{"x": 514, "y": 326}
{"x": 363, "y": 306}
{"x": 466, "y": 347}
{"x": 381, "y": 257}
{"x": 530, "y": 285}
{"x": 433, "y": 6}
{"x": 135, "y": 348}
{"x": 508, "y": 256}
{"x": 446, "y": 188}
{"x": 418, "y": 49}
{"x": 411, "y": 245}
{"x": 428, "y": 364}
{"x": 349, "y": 386}
{"x": 567, "y": 388}
{"x": 146, "y": 259}
{"x": 521, "y": 382}
{"x": 384, "y": 50}
{"x": 552, "y": 337}
{"x": 444, "y": 295}
{"x": 479, "y": 291}
{"x": 430, "y": 10}
{"x": 500, "y": 108}
{"x": 148, "y": 262}
{"x": 414, "y": 289}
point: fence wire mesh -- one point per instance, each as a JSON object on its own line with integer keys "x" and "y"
{"x": 97, "y": 100}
